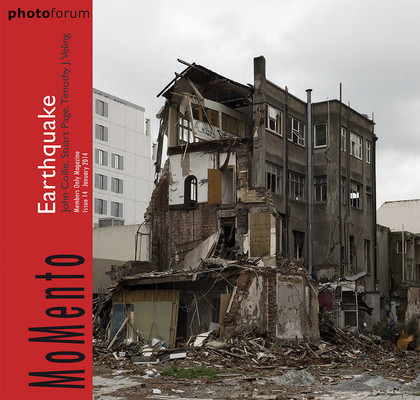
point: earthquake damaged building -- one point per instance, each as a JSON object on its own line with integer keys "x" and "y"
{"x": 399, "y": 277}
{"x": 263, "y": 196}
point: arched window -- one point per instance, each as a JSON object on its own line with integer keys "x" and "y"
{"x": 190, "y": 191}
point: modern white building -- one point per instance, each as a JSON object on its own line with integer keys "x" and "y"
{"x": 122, "y": 161}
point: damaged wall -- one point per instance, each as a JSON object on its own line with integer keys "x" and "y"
{"x": 413, "y": 305}
{"x": 269, "y": 302}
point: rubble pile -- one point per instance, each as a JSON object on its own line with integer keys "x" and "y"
{"x": 250, "y": 352}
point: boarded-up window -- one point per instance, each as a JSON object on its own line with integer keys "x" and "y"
{"x": 214, "y": 186}
{"x": 260, "y": 233}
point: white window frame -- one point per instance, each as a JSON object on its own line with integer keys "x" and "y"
{"x": 356, "y": 145}
{"x": 315, "y": 135}
{"x": 274, "y": 115}
{"x": 273, "y": 171}
{"x": 368, "y": 151}
{"x": 297, "y": 131}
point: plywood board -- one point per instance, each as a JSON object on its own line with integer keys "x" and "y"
{"x": 214, "y": 186}
{"x": 260, "y": 230}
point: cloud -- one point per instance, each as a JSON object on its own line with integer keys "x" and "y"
{"x": 371, "y": 47}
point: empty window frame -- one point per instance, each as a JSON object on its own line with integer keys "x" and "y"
{"x": 101, "y": 108}
{"x": 117, "y": 161}
{"x": 320, "y": 183}
{"x": 190, "y": 191}
{"x": 367, "y": 256}
{"x": 356, "y": 142}
{"x": 274, "y": 178}
{"x": 400, "y": 250}
{"x": 117, "y": 185}
{"x": 116, "y": 209}
{"x": 233, "y": 125}
{"x": 298, "y": 245}
{"x": 273, "y": 120}
{"x": 100, "y": 206}
{"x": 320, "y": 135}
{"x": 356, "y": 195}
{"x": 101, "y": 157}
{"x": 296, "y": 131}
{"x": 185, "y": 133}
{"x": 343, "y": 143}
{"x": 368, "y": 152}
{"x": 296, "y": 186}
{"x": 101, "y": 182}
{"x": 228, "y": 185}
{"x": 101, "y": 132}
{"x": 343, "y": 187}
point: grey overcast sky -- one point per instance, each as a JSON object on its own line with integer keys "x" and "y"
{"x": 371, "y": 46}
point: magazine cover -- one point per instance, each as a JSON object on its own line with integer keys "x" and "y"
{"x": 209, "y": 200}
{"x": 46, "y": 205}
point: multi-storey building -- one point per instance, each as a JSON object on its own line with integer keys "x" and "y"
{"x": 284, "y": 179}
{"x": 122, "y": 160}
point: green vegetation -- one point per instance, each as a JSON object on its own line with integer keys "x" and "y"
{"x": 193, "y": 373}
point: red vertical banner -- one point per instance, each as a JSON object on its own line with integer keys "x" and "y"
{"x": 45, "y": 199}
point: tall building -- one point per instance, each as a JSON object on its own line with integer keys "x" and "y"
{"x": 283, "y": 179}
{"x": 122, "y": 172}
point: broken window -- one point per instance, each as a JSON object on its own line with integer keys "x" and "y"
{"x": 320, "y": 188}
{"x": 343, "y": 184}
{"x": 343, "y": 138}
{"x": 356, "y": 195}
{"x": 367, "y": 256}
{"x": 274, "y": 178}
{"x": 296, "y": 186}
{"x": 356, "y": 145}
{"x": 298, "y": 243}
{"x": 228, "y": 186}
{"x": 221, "y": 186}
{"x": 273, "y": 120}
{"x": 368, "y": 151}
{"x": 190, "y": 191}
{"x": 296, "y": 132}
{"x": 185, "y": 133}
{"x": 320, "y": 135}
